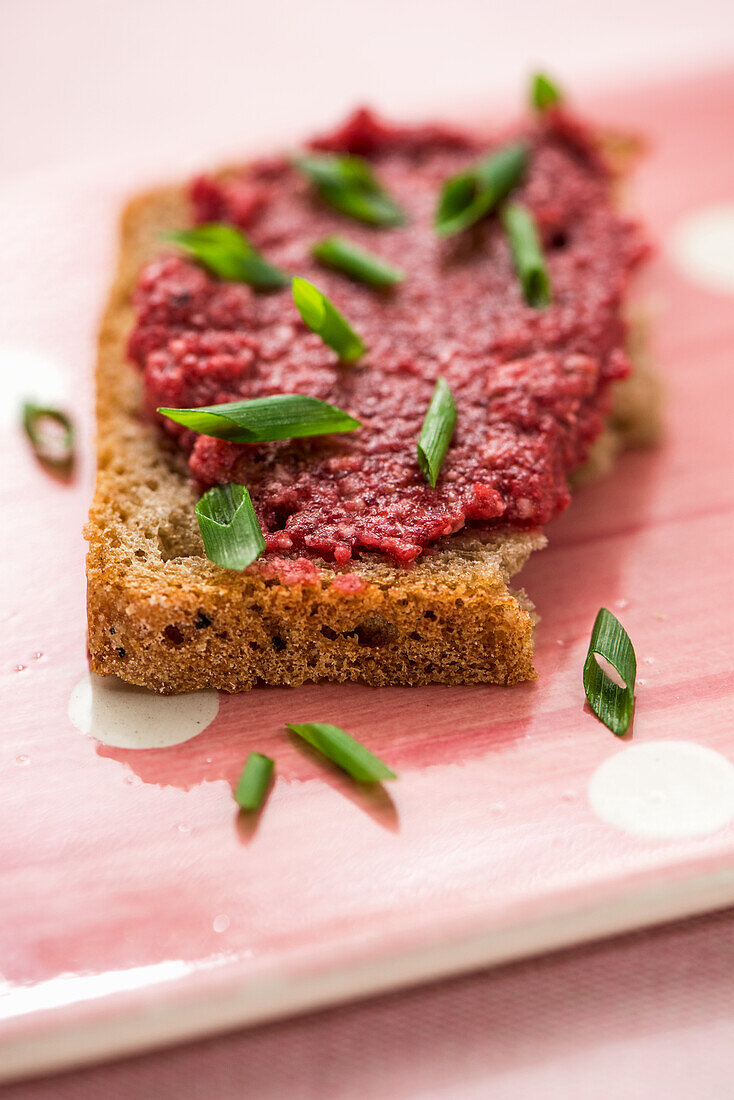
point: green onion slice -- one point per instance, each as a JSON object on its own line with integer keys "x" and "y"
{"x": 438, "y": 427}
{"x": 331, "y": 170}
{"x": 281, "y": 416}
{"x": 469, "y": 196}
{"x": 326, "y": 321}
{"x": 344, "y": 751}
{"x": 362, "y": 265}
{"x": 544, "y": 92}
{"x": 226, "y": 253}
{"x": 610, "y": 702}
{"x": 456, "y": 198}
{"x": 229, "y": 526}
{"x": 252, "y": 787}
{"x": 51, "y": 434}
{"x": 350, "y": 185}
{"x": 527, "y": 254}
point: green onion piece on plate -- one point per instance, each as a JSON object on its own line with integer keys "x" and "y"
{"x": 471, "y": 195}
{"x": 281, "y": 416}
{"x": 226, "y": 253}
{"x": 544, "y": 93}
{"x": 252, "y": 786}
{"x": 350, "y": 185}
{"x": 610, "y": 702}
{"x": 51, "y": 434}
{"x": 326, "y": 321}
{"x": 438, "y": 427}
{"x": 341, "y": 254}
{"x": 527, "y": 254}
{"x": 344, "y": 751}
{"x": 229, "y": 526}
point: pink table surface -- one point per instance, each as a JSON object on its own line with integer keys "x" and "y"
{"x": 649, "y": 1015}
{"x": 652, "y": 1011}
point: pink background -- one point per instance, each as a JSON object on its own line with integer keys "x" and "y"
{"x": 133, "y": 92}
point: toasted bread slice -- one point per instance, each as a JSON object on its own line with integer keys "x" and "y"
{"x": 162, "y": 615}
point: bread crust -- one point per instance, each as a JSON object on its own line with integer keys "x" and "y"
{"x": 161, "y": 615}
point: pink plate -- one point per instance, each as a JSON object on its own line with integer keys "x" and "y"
{"x": 136, "y": 909}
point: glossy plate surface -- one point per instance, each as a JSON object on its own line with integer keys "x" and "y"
{"x": 136, "y": 908}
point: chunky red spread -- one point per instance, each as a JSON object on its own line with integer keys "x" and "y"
{"x": 530, "y": 385}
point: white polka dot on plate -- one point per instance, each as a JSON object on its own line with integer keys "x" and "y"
{"x": 128, "y": 717}
{"x": 702, "y": 245}
{"x": 665, "y": 790}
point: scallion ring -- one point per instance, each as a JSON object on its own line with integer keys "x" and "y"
{"x": 344, "y": 751}
{"x": 229, "y": 527}
{"x": 438, "y": 427}
{"x": 51, "y": 434}
{"x": 611, "y": 702}
{"x": 349, "y": 184}
{"x": 226, "y": 253}
{"x": 471, "y": 195}
{"x": 544, "y": 92}
{"x": 252, "y": 786}
{"x": 357, "y": 262}
{"x": 262, "y": 419}
{"x": 323, "y": 318}
{"x": 527, "y": 254}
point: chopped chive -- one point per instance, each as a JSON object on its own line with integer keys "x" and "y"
{"x": 364, "y": 206}
{"x": 438, "y": 427}
{"x": 226, "y": 253}
{"x": 362, "y": 265}
{"x": 51, "y": 435}
{"x": 471, "y": 195}
{"x": 229, "y": 526}
{"x": 281, "y": 416}
{"x": 456, "y": 198}
{"x": 252, "y": 786}
{"x": 323, "y": 318}
{"x": 612, "y": 704}
{"x": 349, "y": 184}
{"x": 331, "y": 170}
{"x": 343, "y": 750}
{"x": 527, "y": 254}
{"x": 544, "y": 92}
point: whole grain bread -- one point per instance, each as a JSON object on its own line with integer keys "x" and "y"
{"x": 163, "y": 616}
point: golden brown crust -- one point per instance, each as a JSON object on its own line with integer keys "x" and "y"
{"x": 163, "y": 616}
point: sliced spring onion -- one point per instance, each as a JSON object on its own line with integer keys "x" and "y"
{"x": 610, "y": 702}
{"x": 252, "y": 786}
{"x": 326, "y": 321}
{"x": 438, "y": 427}
{"x": 331, "y": 170}
{"x": 527, "y": 254}
{"x": 350, "y": 185}
{"x": 469, "y": 196}
{"x": 344, "y": 751}
{"x": 229, "y": 526}
{"x": 456, "y": 198}
{"x": 341, "y": 254}
{"x": 544, "y": 92}
{"x": 51, "y": 434}
{"x": 281, "y": 416}
{"x": 226, "y": 253}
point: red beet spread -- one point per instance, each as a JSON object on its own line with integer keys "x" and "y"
{"x": 530, "y": 385}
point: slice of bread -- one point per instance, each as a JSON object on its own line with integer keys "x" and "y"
{"x": 163, "y": 616}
